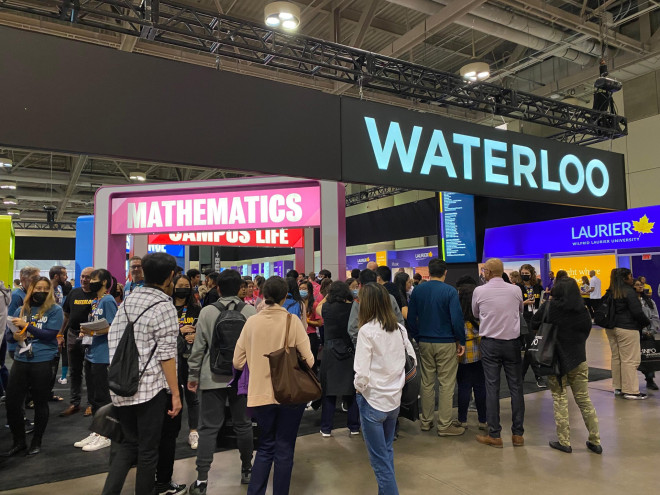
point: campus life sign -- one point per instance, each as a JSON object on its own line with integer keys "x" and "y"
{"x": 630, "y": 229}
{"x": 291, "y": 238}
{"x": 386, "y": 145}
{"x": 226, "y": 210}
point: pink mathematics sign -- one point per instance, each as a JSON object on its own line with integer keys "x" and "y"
{"x": 231, "y": 210}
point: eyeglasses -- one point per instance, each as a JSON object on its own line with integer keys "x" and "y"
{"x": 136, "y": 267}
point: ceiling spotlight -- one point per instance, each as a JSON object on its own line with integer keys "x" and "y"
{"x": 5, "y": 162}
{"x": 7, "y": 184}
{"x": 282, "y": 14}
{"x": 475, "y": 71}
{"x": 138, "y": 176}
{"x": 10, "y": 200}
{"x": 13, "y": 212}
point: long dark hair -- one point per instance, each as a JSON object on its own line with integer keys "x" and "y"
{"x": 190, "y": 300}
{"x": 646, "y": 299}
{"x": 292, "y": 286}
{"x": 566, "y": 296}
{"x": 465, "y": 292}
{"x": 375, "y": 305}
{"x": 400, "y": 280}
{"x": 309, "y": 300}
{"x": 618, "y": 286}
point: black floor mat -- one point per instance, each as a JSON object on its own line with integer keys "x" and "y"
{"x": 60, "y": 460}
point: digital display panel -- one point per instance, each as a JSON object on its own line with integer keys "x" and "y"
{"x": 459, "y": 243}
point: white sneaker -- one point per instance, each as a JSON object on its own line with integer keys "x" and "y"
{"x": 98, "y": 444}
{"x": 86, "y": 440}
{"x": 63, "y": 381}
{"x": 193, "y": 439}
{"x": 325, "y": 435}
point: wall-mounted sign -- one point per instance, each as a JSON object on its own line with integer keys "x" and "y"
{"x": 412, "y": 257}
{"x": 359, "y": 261}
{"x": 235, "y": 210}
{"x": 293, "y": 238}
{"x": 629, "y": 229}
{"x": 387, "y": 145}
{"x": 459, "y": 242}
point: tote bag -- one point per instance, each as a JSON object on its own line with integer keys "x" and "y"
{"x": 542, "y": 349}
{"x": 293, "y": 380}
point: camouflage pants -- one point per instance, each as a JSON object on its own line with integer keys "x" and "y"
{"x": 578, "y": 379}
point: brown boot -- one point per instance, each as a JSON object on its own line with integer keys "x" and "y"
{"x": 69, "y": 411}
{"x": 517, "y": 440}
{"x": 88, "y": 411}
{"x": 488, "y": 440}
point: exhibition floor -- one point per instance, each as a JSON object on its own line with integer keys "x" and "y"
{"x": 426, "y": 463}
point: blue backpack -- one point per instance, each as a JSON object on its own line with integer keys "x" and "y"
{"x": 292, "y": 306}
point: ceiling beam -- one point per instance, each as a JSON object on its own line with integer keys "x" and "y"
{"x": 76, "y": 170}
{"x": 363, "y": 25}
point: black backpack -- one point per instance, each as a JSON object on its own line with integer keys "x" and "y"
{"x": 228, "y": 327}
{"x": 123, "y": 373}
{"x": 604, "y": 314}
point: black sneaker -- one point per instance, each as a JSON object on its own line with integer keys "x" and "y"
{"x": 596, "y": 449}
{"x": 170, "y": 488}
{"x": 197, "y": 489}
{"x": 650, "y": 385}
{"x": 246, "y": 475}
{"x": 29, "y": 426}
{"x": 639, "y": 396}
{"x": 540, "y": 383}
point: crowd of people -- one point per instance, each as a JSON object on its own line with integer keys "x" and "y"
{"x": 203, "y": 343}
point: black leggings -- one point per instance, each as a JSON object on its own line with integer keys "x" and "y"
{"x": 35, "y": 378}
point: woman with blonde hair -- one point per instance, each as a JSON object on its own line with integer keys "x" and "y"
{"x": 34, "y": 327}
{"x": 379, "y": 365}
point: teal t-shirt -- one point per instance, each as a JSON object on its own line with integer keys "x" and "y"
{"x": 43, "y": 349}
{"x": 99, "y": 352}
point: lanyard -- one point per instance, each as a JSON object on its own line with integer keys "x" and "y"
{"x": 182, "y": 318}
{"x": 95, "y": 305}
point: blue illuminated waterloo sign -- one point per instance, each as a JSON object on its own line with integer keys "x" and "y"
{"x": 386, "y": 145}
{"x": 630, "y": 229}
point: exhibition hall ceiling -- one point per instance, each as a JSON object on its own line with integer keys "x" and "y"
{"x": 548, "y": 47}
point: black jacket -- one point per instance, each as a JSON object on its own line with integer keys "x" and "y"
{"x": 628, "y": 312}
{"x": 572, "y": 332}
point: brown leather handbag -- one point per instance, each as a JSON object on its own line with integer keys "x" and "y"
{"x": 293, "y": 380}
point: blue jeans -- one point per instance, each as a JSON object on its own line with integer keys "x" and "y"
{"x": 378, "y": 432}
{"x": 279, "y": 429}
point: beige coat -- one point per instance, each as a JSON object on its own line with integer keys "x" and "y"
{"x": 263, "y": 334}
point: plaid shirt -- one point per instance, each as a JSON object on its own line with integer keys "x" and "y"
{"x": 160, "y": 325}
{"x": 472, "y": 341}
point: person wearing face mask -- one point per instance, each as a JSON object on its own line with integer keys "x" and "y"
{"x": 97, "y": 354}
{"x": 141, "y": 415}
{"x": 353, "y": 286}
{"x": 531, "y": 290}
{"x": 187, "y": 309}
{"x": 34, "y": 330}
{"x": 314, "y": 321}
{"x": 338, "y": 355}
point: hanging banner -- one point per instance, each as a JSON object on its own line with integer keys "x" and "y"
{"x": 387, "y": 145}
{"x": 292, "y": 238}
{"x": 246, "y": 209}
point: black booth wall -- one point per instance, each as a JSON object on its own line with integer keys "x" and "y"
{"x": 45, "y": 248}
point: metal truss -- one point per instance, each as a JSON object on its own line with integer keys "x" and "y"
{"x": 171, "y": 23}
{"x": 372, "y": 194}
{"x": 37, "y": 225}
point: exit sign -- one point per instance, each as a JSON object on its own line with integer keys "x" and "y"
{"x": 646, "y": 257}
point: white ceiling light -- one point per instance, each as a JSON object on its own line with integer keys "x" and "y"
{"x": 138, "y": 176}
{"x": 475, "y": 71}
{"x": 282, "y": 14}
{"x": 7, "y": 184}
{"x": 10, "y": 200}
{"x": 13, "y": 212}
{"x": 5, "y": 162}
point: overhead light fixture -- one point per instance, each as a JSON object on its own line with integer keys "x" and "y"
{"x": 5, "y": 162}
{"x": 138, "y": 176}
{"x": 10, "y": 200}
{"x": 7, "y": 184}
{"x": 475, "y": 71}
{"x": 13, "y": 212}
{"x": 282, "y": 14}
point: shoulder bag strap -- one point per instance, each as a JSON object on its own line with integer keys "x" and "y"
{"x": 153, "y": 350}
{"x": 286, "y": 334}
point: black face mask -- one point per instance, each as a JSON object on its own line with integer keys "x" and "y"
{"x": 182, "y": 292}
{"x": 95, "y": 286}
{"x": 38, "y": 298}
{"x": 526, "y": 278}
